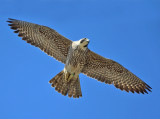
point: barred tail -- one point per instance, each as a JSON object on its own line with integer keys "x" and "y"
{"x": 72, "y": 88}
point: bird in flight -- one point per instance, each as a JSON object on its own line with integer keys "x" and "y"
{"x": 77, "y": 59}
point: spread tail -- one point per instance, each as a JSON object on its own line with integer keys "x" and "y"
{"x": 71, "y": 87}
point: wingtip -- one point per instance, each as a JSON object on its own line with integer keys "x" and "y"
{"x": 9, "y": 24}
{"x": 148, "y": 86}
{"x": 11, "y": 19}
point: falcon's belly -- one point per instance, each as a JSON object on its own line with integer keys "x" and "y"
{"x": 75, "y": 61}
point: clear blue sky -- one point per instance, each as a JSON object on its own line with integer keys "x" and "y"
{"x": 127, "y": 31}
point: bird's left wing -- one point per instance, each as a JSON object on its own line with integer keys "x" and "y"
{"x": 111, "y": 72}
{"x": 47, "y": 39}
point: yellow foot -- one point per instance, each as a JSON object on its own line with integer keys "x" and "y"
{"x": 68, "y": 77}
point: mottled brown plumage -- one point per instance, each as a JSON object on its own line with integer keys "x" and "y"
{"x": 72, "y": 87}
{"x": 77, "y": 59}
{"x": 47, "y": 39}
{"x": 111, "y": 72}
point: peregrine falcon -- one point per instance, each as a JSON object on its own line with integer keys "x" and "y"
{"x": 77, "y": 59}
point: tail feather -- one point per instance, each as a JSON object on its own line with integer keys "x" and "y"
{"x": 72, "y": 88}
{"x": 64, "y": 90}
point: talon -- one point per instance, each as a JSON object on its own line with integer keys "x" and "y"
{"x": 69, "y": 78}
{"x": 66, "y": 77}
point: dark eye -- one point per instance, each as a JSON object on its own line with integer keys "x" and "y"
{"x": 82, "y": 41}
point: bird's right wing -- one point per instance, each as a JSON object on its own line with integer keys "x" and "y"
{"x": 111, "y": 72}
{"x": 47, "y": 39}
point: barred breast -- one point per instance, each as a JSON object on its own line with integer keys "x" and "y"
{"x": 76, "y": 60}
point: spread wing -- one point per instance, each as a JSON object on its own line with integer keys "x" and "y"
{"x": 111, "y": 72}
{"x": 47, "y": 39}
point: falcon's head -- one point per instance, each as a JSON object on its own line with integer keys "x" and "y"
{"x": 84, "y": 42}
